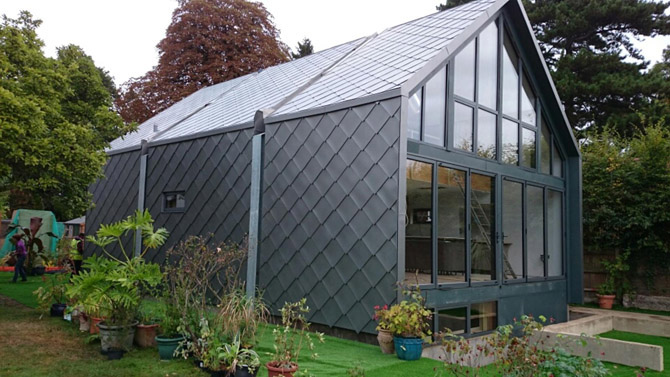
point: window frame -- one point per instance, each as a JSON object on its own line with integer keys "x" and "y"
{"x": 468, "y": 318}
{"x": 164, "y": 207}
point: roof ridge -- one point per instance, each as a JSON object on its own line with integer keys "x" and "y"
{"x": 311, "y": 81}
{"x": 161, "y": 132}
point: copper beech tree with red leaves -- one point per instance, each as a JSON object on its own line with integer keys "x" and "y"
{"x": 208, "y": 42}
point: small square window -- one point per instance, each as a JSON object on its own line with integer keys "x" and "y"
{"x": 174, "y": 202}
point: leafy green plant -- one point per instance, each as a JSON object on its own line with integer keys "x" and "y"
{"x": 410, "y": 317}
{"x": 113, "y": 287}
{"x": 518, "y": 350}
{"x": 383, "y": 317}
{"x": 198, "y": 276}
{"x": 233, "y": 355}
{"x": 617, "y": 282}
{"x": 241, "y": 316}
{"x": 53, "y": 292}
{"x": 289, "y": 339}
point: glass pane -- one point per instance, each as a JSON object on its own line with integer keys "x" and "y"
{"x": 483, "y": 317}
{"x": 450, "y": 225}
{"x": 181, "y": 202}
{"x": 488, "y": 66}
{"x": 414, "y": 116}
{"x": 171, "y": 201}
{"x": 452, "y": 319}
{"x": 545, "y": 148}
{"x": 418, "y": 223}
{"x": 512, "y": 223}
{"x": 486, "y": 135}
{"x": 510, "y": 142}
{"x": 528, "y": 149}
{"x": 528, "y": 103}
{"x": 482, "y": 218}
{"x": 434, "y": 113}
{"x": 510, "y": 80}
{"x": 463, "y": 127}
{"x": 464, "y": 72}
{"x": 555, "y": 233}
{"x": 557, "y": 163}
{"x": 535, "y": 224}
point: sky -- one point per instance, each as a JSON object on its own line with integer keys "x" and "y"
{"x": 121, "y": 35}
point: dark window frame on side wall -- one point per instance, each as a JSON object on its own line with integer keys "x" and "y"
{"x": 176, "y": 208}
{"x": 467, "y": 332}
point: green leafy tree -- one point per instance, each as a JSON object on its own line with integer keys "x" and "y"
{"x": 208, "y": 42}
{"x": 626, "y": 195}
{"x": 304, "y": 48}
{"x": 598, "y": 72}
{"x": 55, "y": 121}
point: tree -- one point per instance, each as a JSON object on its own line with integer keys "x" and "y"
{"x": 589, "y": 47}
{"x": 627, "y": 194}
{"x": 600, "y": 75}
{"x": 304, "y": 48}
{"x": 208, "y": 42}
{"x": 55, "y": 121}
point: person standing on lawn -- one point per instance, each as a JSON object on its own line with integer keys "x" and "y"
{"x": 78, "y": 254}
{"x": 21, "y": 255}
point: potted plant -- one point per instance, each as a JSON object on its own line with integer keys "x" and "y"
{"x": 115, "y": 285}
{"x": 169, "y": 339}
{"x": 238, "y": 361}
{"x": 147, "y": 328}
{"x": 199, "y": 276}
{"x": 410, "y": 324}
{"x": 289, "y": 339}
{"x": 606, "y": 294}
{"x": 384, "y": 335}
{"x": 51, "y": 297}
{"x": 240, "y": 316}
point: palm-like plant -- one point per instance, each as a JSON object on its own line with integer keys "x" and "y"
{"x": 113, "y": 287}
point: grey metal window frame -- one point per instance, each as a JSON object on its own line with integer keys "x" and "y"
{"x": 468, "y": 317}
{"x": 165, "y": 209}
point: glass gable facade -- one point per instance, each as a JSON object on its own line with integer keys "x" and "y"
{"x": 485, "y": 189}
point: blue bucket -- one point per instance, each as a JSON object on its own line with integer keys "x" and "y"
{"x": 408, "y": 348}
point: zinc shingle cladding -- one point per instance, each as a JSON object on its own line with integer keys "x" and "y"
{"x": 215, "y": 175}
{"x": 115, "y": 196}
{"x": 330, "y": 212}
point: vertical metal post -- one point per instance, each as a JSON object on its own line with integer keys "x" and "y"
{"x": 255, "y": 204}
{"x": 141, "y": 193}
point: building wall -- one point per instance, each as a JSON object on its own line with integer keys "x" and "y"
{"x": 330, "y": 216}
{"x": 214, "y": 173}
{"x": 114, "y": 196}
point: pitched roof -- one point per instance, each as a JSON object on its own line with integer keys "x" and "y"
{"x": 356, "y": 69}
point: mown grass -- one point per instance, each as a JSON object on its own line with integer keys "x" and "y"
{"x": 621, "y": 308}
{"x": 53, "y": 347}
{"x": 624, "y": 371}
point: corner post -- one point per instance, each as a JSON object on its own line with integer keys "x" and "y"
{"x": 255, "y": 203}
{"x": 144, "y": 151}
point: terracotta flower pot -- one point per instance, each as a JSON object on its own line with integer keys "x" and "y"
{"x": 606, "y": 301}
{"x": 145, "y": 335}
{"x": 94, "y": 325}
{"x": 275, "y": 371}
{"x": 385, "y": 339}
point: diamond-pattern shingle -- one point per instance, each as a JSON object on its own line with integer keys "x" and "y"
{"x": 331, "y": 234}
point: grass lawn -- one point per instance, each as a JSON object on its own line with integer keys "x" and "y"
{"x": 621, "y": 371}
{"x": 621, "y": 308}
{"x": 53, "y": 347}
